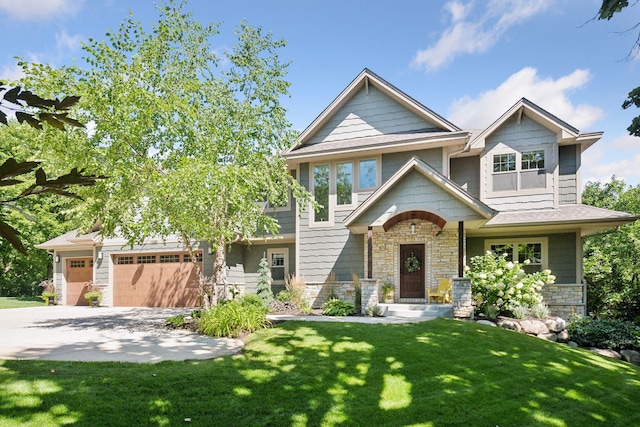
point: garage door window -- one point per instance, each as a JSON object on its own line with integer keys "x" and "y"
{"x": 169, "y": 258}
{"x": 146, "y": 259}
{"x": 76, "y": 263}
{"x": 124, "y": 260}
{"x": 187, "y": 257}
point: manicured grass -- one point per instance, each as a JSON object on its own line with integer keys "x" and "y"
{"x": 19, "y": 302}
{"x": 437, "y": 373}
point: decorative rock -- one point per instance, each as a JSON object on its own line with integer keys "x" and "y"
{"x": 607, "y": 352}
{"x": 534, "y": 327}
{"x": 631, "y": 356}
{"x": 555, "y": 324}
{"x": 572, "y": 344}
{"x": 506, "y": 323}
{"x": 486, "y": 322}
{"x": 563, "y": 336}
{"x": 549, "y": 337}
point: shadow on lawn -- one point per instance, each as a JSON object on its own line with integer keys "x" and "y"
{"x": 306, "y": 373}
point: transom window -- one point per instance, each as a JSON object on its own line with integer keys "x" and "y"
{"x": 533, "y": 160}
{"x": 504, "y": 162}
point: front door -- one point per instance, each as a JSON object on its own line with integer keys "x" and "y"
{"x": 412, "y": 271}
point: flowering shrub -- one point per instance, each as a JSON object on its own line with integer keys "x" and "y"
{"x": 496, "y": 282}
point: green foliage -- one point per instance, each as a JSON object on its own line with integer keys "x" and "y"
{"x": 504, "y": 284}
{"x": 604, "y": 333}
{"x": 337, "y": 307}
{"x": 264, "y": 281}
{"x": 520, "y": 311}
{"x": 175, "y": 322}
{"x": 234, "y": 318}
{"x": 252, "y": 300}
{"x": 373, "y": 311}
{"x": 612, "y": 260}
{"x": 93, "y": 295}
{"x": 541, "y": 311}
{"x": 387, "y": 289}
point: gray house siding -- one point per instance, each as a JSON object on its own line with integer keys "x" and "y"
{"x": 561, "y": 254}
{"x": 369, "y": 115}
{"x": 511, "y": 190}
{"x": 58, "y": 267}
{"x": 465, "y": 171}
{"x": 394, "y": 161}
{"x": 568, "y": 174}
{"x": 252, "y": 254}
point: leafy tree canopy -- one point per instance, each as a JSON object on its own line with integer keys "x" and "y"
{"x": 190, "y": 138}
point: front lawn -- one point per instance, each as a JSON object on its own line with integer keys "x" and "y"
{"x": 436, "y": 373}
{"x": 19, "y": 302}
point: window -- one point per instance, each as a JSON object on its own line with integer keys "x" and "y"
{"x": 344, "y": 183}
{"x": 76, "y": 263}
{"x": 146, "y": 259}
{"x": 533, "y": 160}
{"x": 278, "y": 264}
{"x": 122, "y": 260}
{"x": 368, "y": 173}
{"x": 504, "y": 162}
{"x": 533, "y": 250}
{"x": 164, "y": 259}
{"x": 187, "y": 257}
{"x": 321, "y": 192}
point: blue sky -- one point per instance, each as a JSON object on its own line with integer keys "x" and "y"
{"x": 467, "y": 60}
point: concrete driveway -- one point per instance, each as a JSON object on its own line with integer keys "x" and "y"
{"x": 102, "y": 334}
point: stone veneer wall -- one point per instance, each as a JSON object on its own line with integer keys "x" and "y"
{"x": 317, "y": 294}
{"x": 565, "y": 300}
{"x": 441, "y": 253}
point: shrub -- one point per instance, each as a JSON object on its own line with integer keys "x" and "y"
{"x": 541, "y": 311}
{"x": 520, "y": 311}
{"x": 175, "y": 321}
{"x": 491, "y": 311}
{"x": 233, "y": 318}
{"x": 604, "y": 333}
{"x": 504, "y": 284}
{"x": 264, "y": 282}
{"x": 337, "y": 307}
{"x": 251, "y": 299}
{"x": 373, "y": 311}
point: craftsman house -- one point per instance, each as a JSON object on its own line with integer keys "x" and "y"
{"x": 396, "y": 181}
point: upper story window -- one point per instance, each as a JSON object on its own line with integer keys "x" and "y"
{"x": 344, "y": 183}
{"x": 334, "y": 186}
{"x": 504, "y": 162}
{"x": 533, "y": 160}
{"x": 516, "y": 171}
{"x": 321, "y": 192}
{"x": 368, "y": 173}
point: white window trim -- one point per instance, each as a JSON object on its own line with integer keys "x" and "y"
{"x": 518, "y": 191}
{"x": 333, "y": 185}
{"x": 544, "y": 241}
{"x": 357, "y": 187}
{"x": 285, "y": 251}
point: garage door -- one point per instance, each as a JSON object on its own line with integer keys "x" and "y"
{"x": 155, "y": 280}
{"x": 78, "y": 272}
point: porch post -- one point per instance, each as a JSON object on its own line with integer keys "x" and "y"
{"x": 369, "y": 252}
{"x": 460, "y": 249}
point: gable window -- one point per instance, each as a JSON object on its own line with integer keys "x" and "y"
{"x": 344, "y": 183}
{"x": 368, "y": 173}
{"x": 278, "y": 264}
{"x": 519, "y": 171}
{"x": 530, "y": 253}
{"x": 321, "y": 192}
{"x": 504, "y": 162}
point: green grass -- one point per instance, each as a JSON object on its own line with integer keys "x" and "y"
{"x": 437, "y": 373}
{"x": 20, "y": 302}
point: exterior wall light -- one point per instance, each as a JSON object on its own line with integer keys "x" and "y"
{"x": 413, "y": 228}
{"x": 57, "y": 259}
{"x": 100, "y": 255}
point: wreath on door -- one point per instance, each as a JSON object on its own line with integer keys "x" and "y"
{"x": 412, "y": 263}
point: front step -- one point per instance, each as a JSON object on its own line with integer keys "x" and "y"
{"x": 417, "y": 310}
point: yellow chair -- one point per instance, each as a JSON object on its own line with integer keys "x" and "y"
{"x": 442, "y": 292}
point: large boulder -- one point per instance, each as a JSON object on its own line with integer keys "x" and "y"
{"x": 555, "y": 324}
{"x": 607, "y": 352}
{"x": 630, "y": 356}
{"x": 549, "y": 337}
{"x": 507, "y": 323}
{"x": 486, "y": 322}
{"x": 534, "y": 327}
{"x": 563, "y": 336}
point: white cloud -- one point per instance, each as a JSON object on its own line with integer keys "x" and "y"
{"x": 550, "y": 94}
{"x": 479, "y": 32}
{"x": 66, "y": 42}
{"x": 39, "y": 9}
{"x": 619, "y": 157}
{"x": 11, "y": 73}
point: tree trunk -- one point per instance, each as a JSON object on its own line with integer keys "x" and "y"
{"x": 220, "y": 272}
